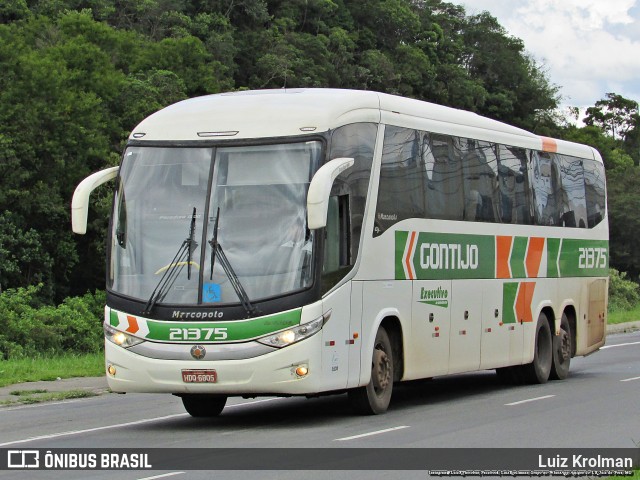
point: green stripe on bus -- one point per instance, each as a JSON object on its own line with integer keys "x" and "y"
{"x": 518, "y": 253}
{"x": 234, "y": 331}
{"x": 450, "y": 255}
{"x": 447, "y": 256}
{"x": 509, "y": 293}
{"x": 401, "y": 242}
{"x": 584, "y": 258}
{"x": 553, "y": 250}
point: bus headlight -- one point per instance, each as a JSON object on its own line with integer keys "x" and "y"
{"x": 294, "y": 334}
{"x": 120, "y": 338}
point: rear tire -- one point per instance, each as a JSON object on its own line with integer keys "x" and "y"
{"x": 374, "y": 399}
{"x": 203, "y": 406}
{"x": 562, "y": 348}
{"x": 539, "y": 370}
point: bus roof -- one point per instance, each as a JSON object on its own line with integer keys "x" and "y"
{"x": 291, "y": 112}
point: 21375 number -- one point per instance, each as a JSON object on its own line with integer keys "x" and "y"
{"x": 592, "y": 258}
{"x": 197, "y": 334}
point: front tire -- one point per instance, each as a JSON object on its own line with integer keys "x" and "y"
{"x": 203, "y": 406}
{"x": 539, "y": 370}
{"x": 562, "y": 348}
{"x": 374, "y": 399}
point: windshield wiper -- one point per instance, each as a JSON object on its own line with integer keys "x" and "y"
{"x": 217, "y": 252}
{"x": 174, "y": 268}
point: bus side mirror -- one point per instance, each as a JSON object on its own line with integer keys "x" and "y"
{"x": 80, "y": 202}
{"x": 320, "y": 189}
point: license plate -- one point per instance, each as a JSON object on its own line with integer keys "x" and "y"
{"x": 199, "y": 376}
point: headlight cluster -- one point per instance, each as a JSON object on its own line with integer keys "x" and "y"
{"x": 294, "y": 334}
{"x": 120, "y": 338}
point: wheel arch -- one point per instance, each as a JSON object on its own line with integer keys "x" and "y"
{"x": 548, "y": 312}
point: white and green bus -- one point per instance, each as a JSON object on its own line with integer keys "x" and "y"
{"x": 313, "y": 241}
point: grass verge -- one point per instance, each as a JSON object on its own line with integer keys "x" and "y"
{"x": 622, "y": 316}
{"x": 20, "y": 370}
{"x": 25, "y": 397}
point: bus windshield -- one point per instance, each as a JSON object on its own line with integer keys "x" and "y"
{"x": 176, "y": 208}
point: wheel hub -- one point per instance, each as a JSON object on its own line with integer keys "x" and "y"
{"x": 381, "y": 373}
{"x": 565, "y": 345}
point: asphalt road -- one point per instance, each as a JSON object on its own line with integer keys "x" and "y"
{"x": 597, "y": 406}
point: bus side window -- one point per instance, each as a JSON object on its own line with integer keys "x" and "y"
{"x": 514, "y": 186}
{"x": 356, "y": 141}
{"x": 544, "y": 183}
{"x": 442, "y": 157}
{"x": 400, "y": 191}
{"x": 573, "y": 208}
{"x": 337, "y": 259}
{"x": 594, "y": 186}
{"x": 480, "y": 167}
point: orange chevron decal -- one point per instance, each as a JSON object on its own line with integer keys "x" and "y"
{"x": 407, "y": 260}
{"x": 503, "y": 251}
{"x": 534, "y": 256}
{"x": 523, "y": 301}
{"x": 133, "y": 325}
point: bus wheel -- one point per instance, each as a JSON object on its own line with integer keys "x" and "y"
{"x": 203, "y": 405}
{"x": 562, "y": 346}
{"x": 375, "y": 397}
{"x": 539, "y": 370}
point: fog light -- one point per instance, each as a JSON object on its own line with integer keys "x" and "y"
{"x": 302, "y": 371}
{"x": 111, "y": 370}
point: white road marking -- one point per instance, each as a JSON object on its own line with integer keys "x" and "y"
{"x": 253, "y": 403}
{"x": 88, "y": 430}
{"x": 630, "y": 379}
{"x": 619, "y": 345}
{"x": 164, "y": 475}
{"x": 378, "y": 432}
{"x": 119, "y": 425}
{"x": 529, "y": 400}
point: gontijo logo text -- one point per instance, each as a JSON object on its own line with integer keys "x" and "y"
{"x": 439, "y": 256}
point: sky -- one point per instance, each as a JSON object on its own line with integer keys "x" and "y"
{"x": 588, "y": 47}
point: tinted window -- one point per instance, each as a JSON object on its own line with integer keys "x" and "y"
{"x": 442, "y": 156}
{"x": 348, "y": 200}
{"x": 573, "y": 207}
{"x": 514, "y": 188}
{"x": 401, "y": 190}
{"x": 481, "y": 187}
{"x": 544, "y": 176}
{"x": 426, "y": 175}
{"x": 594, "y": 186}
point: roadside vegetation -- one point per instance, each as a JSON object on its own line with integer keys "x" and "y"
{"x": 37, "y": 368}
{"x": 624, "y": 298}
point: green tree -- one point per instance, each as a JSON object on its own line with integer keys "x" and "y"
{"x": 615, "y": 114}
{"x": 516, "y": 87}
{"x": 624, "y": 219}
